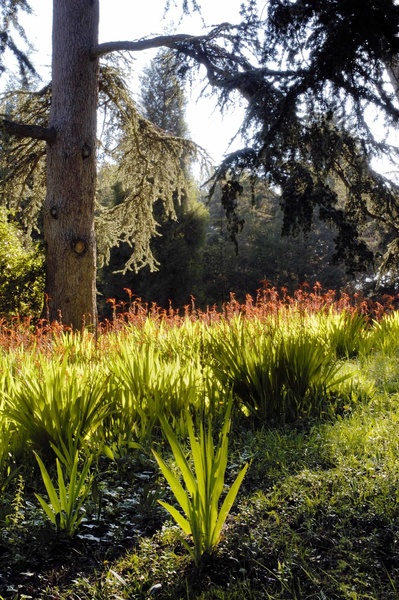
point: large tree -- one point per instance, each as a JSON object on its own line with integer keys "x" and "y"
{"x": 152, "y": 165}
{"x": 309, "y": 70}
{"x": 315, "y": 75}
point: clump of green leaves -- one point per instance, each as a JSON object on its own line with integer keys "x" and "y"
{"x": 8, "y": 444}
{"x": 149, "y": 384}
{"x": 281, "y": 373}
{"x": 64, "y": 508}
{"x": 21, "y": 272}
{"x": 59, "y": 406}
{"x": 203, "y": 519}
{"x": 385, "y": 335}
{"x": 346, "y": 332}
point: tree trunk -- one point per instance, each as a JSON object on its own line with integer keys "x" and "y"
{"x": 71, "y": 166}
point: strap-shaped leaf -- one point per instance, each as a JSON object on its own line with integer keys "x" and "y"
{"x": 47, "y": 509}
{"x": 228, "y": 503}
{"x": 61, "y": 487}
{"x": 199, "y": 459}
{"x": 178, "y": 517}
{"x": 175, "y": 485}
{"x": 50, "y": 489}
{"x": 180, "y": 459}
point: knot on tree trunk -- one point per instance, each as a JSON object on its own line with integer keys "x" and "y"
{"x": 79, "y": 247}
{"x": 86, "y": 151}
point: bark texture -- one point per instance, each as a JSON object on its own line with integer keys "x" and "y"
{"x": 71, "y": 165}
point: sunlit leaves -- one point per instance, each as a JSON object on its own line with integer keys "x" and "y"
{"x": 149, "y": 169}
{"x": 203, "y": 515}
{"x": 67, "y": 496}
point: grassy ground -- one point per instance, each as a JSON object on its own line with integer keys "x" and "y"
{"x": 316, "y": 517}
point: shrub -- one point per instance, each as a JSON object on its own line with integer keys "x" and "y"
{"x": 21, "y": 272}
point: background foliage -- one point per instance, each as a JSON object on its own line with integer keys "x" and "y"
{"x": 21, "y": 272}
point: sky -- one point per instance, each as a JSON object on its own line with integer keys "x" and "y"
{"x": 123, "y": 20}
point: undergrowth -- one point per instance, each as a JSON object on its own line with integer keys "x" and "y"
{"x": 316, "y": 515}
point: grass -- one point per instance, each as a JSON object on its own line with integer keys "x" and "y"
{"x": 316, "y": 516}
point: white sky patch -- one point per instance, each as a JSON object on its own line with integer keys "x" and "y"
{"x": 125, "y": 20}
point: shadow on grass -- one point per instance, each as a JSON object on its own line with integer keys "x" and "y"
{"x": 317, "y": 517}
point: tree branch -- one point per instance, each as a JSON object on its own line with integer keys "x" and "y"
{"x": 21, "y": 130}
{"x": 145, "y": 44}
{"x": 193, "y": 46}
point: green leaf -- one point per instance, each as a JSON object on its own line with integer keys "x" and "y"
{"x": 178, "y": 517}
{"x": 228, "y": 503}
{"x": 180, "y": 459}
{"x": 200, "y": 500}
{"x": 61, "y": 487}
{"x": 47, "y": 509}
{"x": 175, "y": 485}
{"x": 51, "y": 492}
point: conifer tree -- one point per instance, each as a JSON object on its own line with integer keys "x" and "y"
{"x": 309, "y": 71}
{"x": 162, "y": 97}
{"x": 55, "y": 132}
{"x": 178, "y": 245}
{"x": 316, "y": 75}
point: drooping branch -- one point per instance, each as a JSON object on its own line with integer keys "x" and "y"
{"x": 22, "y": 130}
{"x": 392, "y": 67}
{"x": 150, "y": 170}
